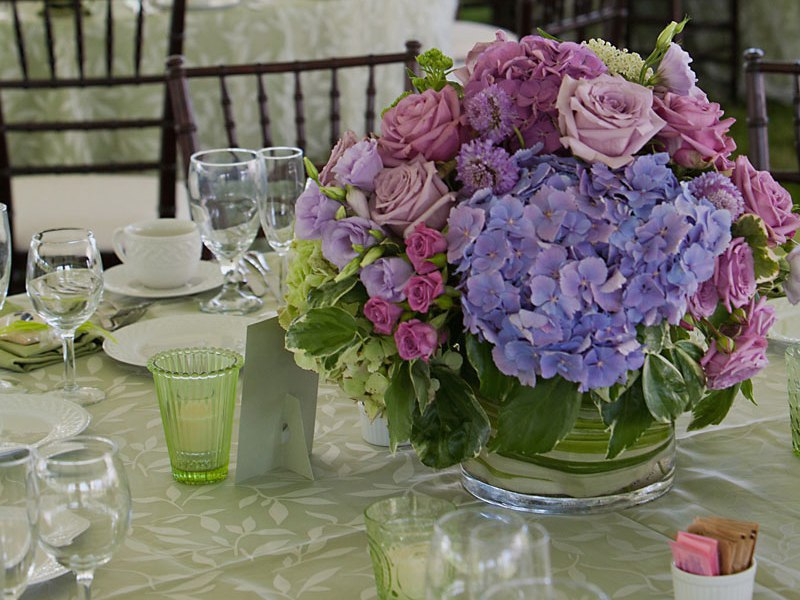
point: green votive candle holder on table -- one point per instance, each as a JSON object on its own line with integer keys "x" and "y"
{"x": 399, "y": 532}
{"x": 196, "y": 389}
{"x": 793, "y": 387}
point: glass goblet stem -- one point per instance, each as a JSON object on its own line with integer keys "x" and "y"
{"x": 68, "y": 348}
{"x": 84, "y": 579}
{"x": 283, "y": 267}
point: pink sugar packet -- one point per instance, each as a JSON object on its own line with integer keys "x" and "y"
{"x": 695, "y": 554}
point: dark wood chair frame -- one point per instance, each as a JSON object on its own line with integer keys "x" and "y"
{"x": 558, "y": 17}
{"x": 755, "y": 68}
{"x": 178, "y": 77}
{"x": 165, "y": 164}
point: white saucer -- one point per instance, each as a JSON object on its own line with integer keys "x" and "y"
{"x": 119, "y": 280}
{"x": 37, "y": 419}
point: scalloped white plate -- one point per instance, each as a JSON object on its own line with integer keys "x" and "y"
{"x": 119, "y": 279}
{"x": 45, "y": 568}
{"x": 37, "y": 419}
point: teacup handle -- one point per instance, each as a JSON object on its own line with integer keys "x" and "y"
{"x": 117, "y": 240}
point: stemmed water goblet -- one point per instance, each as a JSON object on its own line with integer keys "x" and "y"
{"x": 64, "y": 279}
{"x": 85, "y": 504}
{"x": 285, "y": 181}
{"x": 5, "y": 276}
{"x": 18, "y": 518}
{"x": 225, "y": 189}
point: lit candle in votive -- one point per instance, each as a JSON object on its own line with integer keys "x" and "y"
{"x": 196, "y": 426}
{"x": 409, "y": 562}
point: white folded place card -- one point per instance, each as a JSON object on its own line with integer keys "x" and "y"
{"x": 278, "y": 409}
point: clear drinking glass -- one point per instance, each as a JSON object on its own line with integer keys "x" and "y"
{"x": 18, "y": 518}
{"x": 285, "y": 182}
{"x": 225, "y": 189}
{"x": 65, "y": 282}
{"x": 85, "y": 504}
{"x": 472, "y": 548}
{"x": 5, "y": 276}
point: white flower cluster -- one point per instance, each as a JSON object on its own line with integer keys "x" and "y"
{"x": 619, "y": 62}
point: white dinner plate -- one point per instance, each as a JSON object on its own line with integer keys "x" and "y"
{"x": 45, "y": 568}
{"x": 136, "y": 343}
{"x": 36, "y": 419}
{"x": 119, "y": 279}
{"x": 786, "y": 328}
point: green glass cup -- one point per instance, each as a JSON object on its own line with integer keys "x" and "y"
{"x": 196, "y": 389}
{"x": 793, "y": 385}
{"x": 399, "y": 532}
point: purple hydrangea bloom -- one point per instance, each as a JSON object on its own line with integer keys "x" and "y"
{"x": 720, "y": 191}
{"x": 386, "y": 278}
{"x": 359, "y": 165}
{"x": 339, "y": 237}
{"x": 481, "y": 165}
{"x": 313, "y": 210}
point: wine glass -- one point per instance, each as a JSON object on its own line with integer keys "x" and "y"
{"x": 5, "y": 276}
{"x": 65, "y": 282}
{"x": 85, "y": 504}
{"x": 285, "y": 181}
{"x": 225, "y": 189}
{"x": 18, "y": 518}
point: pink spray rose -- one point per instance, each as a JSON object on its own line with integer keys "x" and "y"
{"x": 695, "y": 135}
{"x": 415, "y": 339}
{"x": 348, "y": 139}
{"x": 427, "y": 124}
{"x": 424, "y": 243}
{"x": 422, "y": 290}
{"x": 765, "y": 197}
{"x": 409, "y": 194}
{"x": 734, "y": 275}
{"x": 606, "y": 119}
{"x": 383, "y": 314}
{"x": 749, "y": 356}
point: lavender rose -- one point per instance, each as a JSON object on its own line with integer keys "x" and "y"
{"x": 383, "y": 314}
{"x": 705, "y": 300}
{"x": 386, "y": 278}
{"x": 338, "y": 238}
{"x": 695, "y": 134}
{"x": 422, "y": 290}
{"x": 415, "y": 339}
{"x": 313, "y": 210}
{"x": 764, "y": 197}
{"x": 409, "y": 194}
{"x": 606, "y": 119}
{"x": 348, "y": 139}
{"x": 749, "y": 356}
{"x": 359, "y": 165}
{"x": 422, "y": 244}
{"x": 734, "y": 275}
{"x": 426, "y": 124}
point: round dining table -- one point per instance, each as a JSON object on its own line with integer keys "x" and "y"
{"x": 280, "y": 535}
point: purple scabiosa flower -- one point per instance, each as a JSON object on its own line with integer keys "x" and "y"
{"x": 313, "y": 210}
{"x": 720, "y": 191}
{"x": 491, "y": 112}
{"x": 481, "y": 165}
{"x": 386, "y": 278}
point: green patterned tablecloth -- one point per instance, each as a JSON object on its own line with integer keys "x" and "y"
{"x": 285, "y": 537}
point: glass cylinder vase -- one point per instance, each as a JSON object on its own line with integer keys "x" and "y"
{"x": 575, "y": 477}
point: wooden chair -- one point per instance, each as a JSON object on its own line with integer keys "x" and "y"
{"x": 755, "y": 68}
{"x": 41, "y": 29}
{"x": 225, "y": 77}
{"x": 575, "y": 20}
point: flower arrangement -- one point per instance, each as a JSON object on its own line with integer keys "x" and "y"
{"x": 565, "y": 224}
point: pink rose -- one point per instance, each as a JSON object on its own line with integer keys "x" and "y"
{"x": 427, "y": 124}
{"x": 695, "y": 134}
{"x": 749, "y": 356}
{"x": 705, "y": 300}
{"x": 734, "y": 275}
{"x": 606, "y": 119}
{"x": 764, "y": 197}
{"x": 348, "y": 139}
{"x": 383, "y": 314}
{"x": 415, "y": 339}
{"x": 422, "y": 290}
{"x": 409, "y": 194}
{"x": 424, "y": 243}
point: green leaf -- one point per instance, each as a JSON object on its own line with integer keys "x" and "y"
{"x": 692, "y": 374}
{"x": 628, "y": 417}
{"x": 453, "y": 427}
{"x": 690, "y": 348}
{"x": 747, "y": 390}
{"x": 664, "y": 388}
{"x": 713, "y": 407}
{"x": 754, "y": 231}
{"x": 534, "y": 419}
{"x": 493, "y": 383}
{"x": 322, "y": 331}
{"x": 421, "y": 380}
{"x": 329, "y": 293}
{"x": 400, "y": 401}
{"x": 654, "y": 338}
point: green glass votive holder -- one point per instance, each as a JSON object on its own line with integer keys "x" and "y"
{"x": 399, "y": 532}
{"x": 793, "y": 388}
{"x": 196, "y": 389}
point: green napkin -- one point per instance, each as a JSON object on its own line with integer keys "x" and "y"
{"x": 27, "y": 357}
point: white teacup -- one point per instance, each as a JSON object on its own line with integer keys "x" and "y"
{"x": 161, "y": 253}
